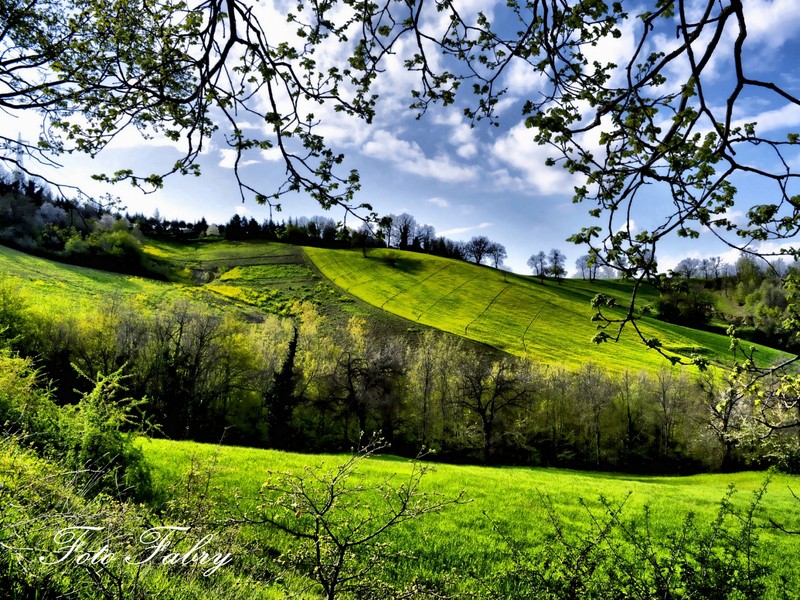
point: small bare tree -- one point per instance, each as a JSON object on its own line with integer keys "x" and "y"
{"x": 339, "y": 520}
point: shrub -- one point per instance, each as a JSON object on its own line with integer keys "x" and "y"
{"x": 94, "y": 438}
{"x": 40, "y": 501}
{"x": 627, "y": 560}
{"x": 25, "y": 407}
{"x": 98, "y": 441}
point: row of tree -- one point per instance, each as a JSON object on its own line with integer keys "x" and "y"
{"x": 749, "y": 295}
{"x": 552, "y": 263}
{"x": 392, "y": 231}
{"x": 33, "y": 219}
{"x": 303, "y": 384}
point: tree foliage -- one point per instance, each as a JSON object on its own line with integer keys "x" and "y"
{"x": 539, "y": 264}
{"x": 557, "y": 260}
{"x": 185, "y": 70}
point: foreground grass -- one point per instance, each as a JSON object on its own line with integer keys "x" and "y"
{"x": 463, "y": 538}
{"x": 549, "y": 322}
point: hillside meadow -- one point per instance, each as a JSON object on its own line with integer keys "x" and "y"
{"x": 271, "y": 343}
{"x": 68, "y": 289}
{"x": 502, "y": 532}
{"x": 465, "y": 538}
{"x": 546, "y": 321}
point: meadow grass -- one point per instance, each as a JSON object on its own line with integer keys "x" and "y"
{"x": 463, "y": 537}
{"x": 267, "y": 286}
{"x": 269, "y": 277}
{"x": 68, "y": 289}
{"x": 214, "y": 253}
{"x": 549, "y": 322}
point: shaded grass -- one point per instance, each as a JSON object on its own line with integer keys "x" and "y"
{"x": 549, "y": 322}
{"x": 463, "y": 537}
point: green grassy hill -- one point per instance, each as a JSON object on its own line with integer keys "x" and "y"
{"x": 549, "y": 322}
{"x": 63, "y": 288}
{"x": 252, "y": 279}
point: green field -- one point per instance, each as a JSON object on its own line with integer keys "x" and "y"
{"x": 251, "y": 279}
{"x": 67, "y": 288}
{"x": 266, "y": 276}
{"x": 463, "y": 537}
{"x": 549, "y": 322}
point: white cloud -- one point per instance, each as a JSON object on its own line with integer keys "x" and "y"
{"x": 504, "y": 180}
{"x": 456, "y": 231}
{"x": 629, "y": 226}
{"x": 228, "y": 160}
{"x": 272, "y": 155}
{"x": 408, "y": 156}
{"x": 617, "y": 51}
{"x": 462, "y": 135}
{"x": 785, "y": 117}
{"x": 771, "y": 22}
{"x": 519, "y": 150}
{"x": 522, "y": 78}
{"x": 440, "y": 202}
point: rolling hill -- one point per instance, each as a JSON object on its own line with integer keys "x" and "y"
{"x": 546, "y": 321}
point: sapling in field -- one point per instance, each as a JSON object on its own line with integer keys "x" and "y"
{"x": 338, "y": 520}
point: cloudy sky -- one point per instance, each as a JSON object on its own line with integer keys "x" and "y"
{"x": 464, "y": 181}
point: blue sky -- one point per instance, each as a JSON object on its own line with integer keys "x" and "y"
{"x": 464, "y": 181}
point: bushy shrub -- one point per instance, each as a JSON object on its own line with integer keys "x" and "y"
{"x": 626, "y": 559}
{"x": 76, "y": 246}
{"x": 98, "y": 441}
{"x": 94, "y": 437}
{"x": 26, "y": 408}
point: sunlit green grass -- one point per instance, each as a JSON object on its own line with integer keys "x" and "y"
{"x": 547, "y": 321}
{"x": 463, "y": 537}
{"x": 213, "y": 253}
{"x": 66, "y": 289}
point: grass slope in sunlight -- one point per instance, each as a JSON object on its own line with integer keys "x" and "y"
{"x": 266, "y": 276}
{"x": 68, "y": 288}
{"x": 248, "y": 278}
{"x": 463, "y": 537}
{"x": 547, "y": 321}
